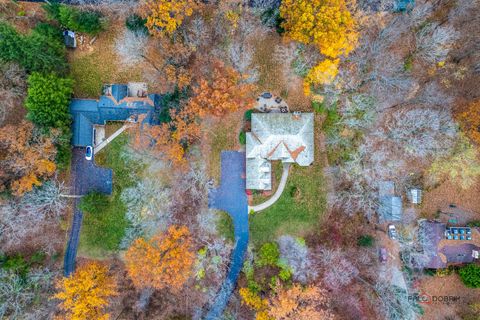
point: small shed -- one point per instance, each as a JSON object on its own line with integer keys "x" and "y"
{"x": 390, "y": 209}
{"x": 415, "y": 195}
{"x": 69, "y": 39}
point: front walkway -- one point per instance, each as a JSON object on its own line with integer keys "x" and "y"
{"x": 278, "y": 193}
{"x": 230, "y": 196}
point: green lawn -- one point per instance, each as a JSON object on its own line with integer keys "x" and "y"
{"x": 103, "y": 229}
{"x": 225, "y": 225}
{"x": 299, "y": 209}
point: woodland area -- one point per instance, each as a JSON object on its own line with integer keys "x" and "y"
{"x": 396, "y": 97}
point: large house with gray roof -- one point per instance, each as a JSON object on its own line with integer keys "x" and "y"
{"x": 287, "y": 137}
{"x": 119, "y": 102}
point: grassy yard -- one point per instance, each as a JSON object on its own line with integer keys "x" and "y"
{"x": 95, "y": 65}
{"x": 299, "y": 210}
{"x": 225, "y": 226}
{"x": 220, "y": 135}
{"x": 103, "y": 229}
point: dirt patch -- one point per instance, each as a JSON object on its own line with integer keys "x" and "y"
{"x": 23, "y": 15}
{"x": 447, "y": 286}
{"x": 446, "y": 194}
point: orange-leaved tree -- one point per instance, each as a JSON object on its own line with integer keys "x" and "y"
{"x": 299, "y": 303}
{"x": 28, "y": 156}
{"x": 222, "y": 93}
{"x": 86, "y": 292}
{"x": 470, "y": 121}
{"x": 164, "y": 261}
{"x": 168, "y": 140}
{"x": 165, "y": 16}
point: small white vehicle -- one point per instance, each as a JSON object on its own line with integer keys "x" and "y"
{"x": 89, "y": 153}
{"x": 392, "y": 232}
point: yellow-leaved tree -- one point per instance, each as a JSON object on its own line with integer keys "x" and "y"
{"x": 165, "y": 261}
{"x": 85, "y": 293}
{"x": 326, "y": 23}
{"x": 323, "y": 73}
{"x": 165, "y": 16}
{"x": 470, "y": 121}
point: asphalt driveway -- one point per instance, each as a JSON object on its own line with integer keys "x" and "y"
{"x": 230, "y": 196}
{"x": 86, "y": 177}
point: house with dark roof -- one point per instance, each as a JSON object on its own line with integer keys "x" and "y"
{"x": 443, "y": 250}
{"x": 119, "y": 102}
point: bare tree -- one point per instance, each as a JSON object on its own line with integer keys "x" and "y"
{"x": 46, "y": 200}
{"x": 197, "y": 35}
{"x": 241, "y": 56}
{"x": 26, "y": 297}
{"x": 147, "y": 209}
{"x": 13, "y": 87}
{"x": 343, "y": 271}
{"x": 434, "y": 41}
{"x": 295, "y": 254}
{"x": 421, "y": 132}
{"x": 131, "y": 46}
{"x": 395, "y": 302}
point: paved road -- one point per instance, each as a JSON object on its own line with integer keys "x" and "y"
{"x": 86, "y": 177}
{"x": 277, "y": 194}
{"x": 230, "y": 196}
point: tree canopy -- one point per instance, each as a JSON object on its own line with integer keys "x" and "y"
{"x": 48, "y": 99}
{"x": 165, "y": 16}
{"x": 165, "y": 261}
{"x": 326, "y": 23}
{"x": 28, "y": 157}
{"x": 41, "y": 50}
{"x": 85, "y": 294}
{"x": 74, "y": 19}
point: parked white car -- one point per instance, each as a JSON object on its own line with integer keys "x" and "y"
{"x": 89, "y": 153}
{"x": 392, "y": 232}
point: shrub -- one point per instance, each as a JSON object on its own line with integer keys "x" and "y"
{"x": 407, "y": 66}
{"x": 94, "y": 202}
{"x": 225, "y": 226}
{"x": 248, "y": 115}
{"x": 475, "y": 223}
{"x": 64, "y": 150}
{"x": 268, "y": 254}
{"x": 285, "y": 274}
{"x": 77, "y": 20}
{"x": 365, "y": 241}
{"x": 242, "y": 138}
{"x": 470, "y": 275}
{"x": 136, "y": 23}
{"x": 48, "y": 99}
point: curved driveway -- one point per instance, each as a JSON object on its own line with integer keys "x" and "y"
{"x": 230, "y": 196}
{"x": 86, "y": 177}
{"x": 277, "y": 194}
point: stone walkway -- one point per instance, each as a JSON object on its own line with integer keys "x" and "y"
{"x": 278, "y": 193}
